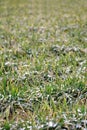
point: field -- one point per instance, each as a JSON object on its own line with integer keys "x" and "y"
{"x": 43, "y": 65}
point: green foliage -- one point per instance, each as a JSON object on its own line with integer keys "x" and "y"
{"x": 43, "y": 64}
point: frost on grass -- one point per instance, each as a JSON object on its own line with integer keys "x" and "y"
{"x": 43, "y": 65}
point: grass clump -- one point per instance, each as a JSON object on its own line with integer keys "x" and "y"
{"x": 43, "y": 65}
